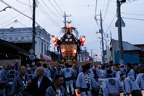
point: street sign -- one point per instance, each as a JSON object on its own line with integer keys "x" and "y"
{"x": 31, "y": 57}
{"x": 100, "y": 31}
{"x": 31, "y": 51}
{"x": 122, "y": 23}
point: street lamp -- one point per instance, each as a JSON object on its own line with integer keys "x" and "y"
{"x": 6, "y": 9}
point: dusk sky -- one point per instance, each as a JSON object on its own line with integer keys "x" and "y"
{"x": 49, "y": 14}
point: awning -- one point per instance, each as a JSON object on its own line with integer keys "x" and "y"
{"x": 45, "y": 58}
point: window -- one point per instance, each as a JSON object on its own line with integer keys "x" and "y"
{"x": 42, "y": 47}
{"x": 45, "y": 49}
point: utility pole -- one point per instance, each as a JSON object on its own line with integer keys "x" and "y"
{"x": 82, "y": 56}
{"x": 110, "y": 35}
{"x": 65, "y": 20}
{"x": 33, "y": 26}
{"x": 33, "y": 30}
{"x": 121, "y": 53}
{"x": 101, "y": 31}
{"x": 85, "y": 53}
{"x": 91, "y": 53}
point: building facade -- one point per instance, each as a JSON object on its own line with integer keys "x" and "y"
{"x": 141, "y": 52}
{"x": 22, "y": 37}
{"x": 131, "y": 53}
{"x": 82, "y": 57}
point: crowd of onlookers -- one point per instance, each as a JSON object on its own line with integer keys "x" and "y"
{"x": 72, "y": 80}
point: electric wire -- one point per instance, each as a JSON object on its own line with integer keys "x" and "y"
{"x": 21, "y": 18}
{"x": 132, "y": 14}
{"x": 16, "y": 10}
{"x": 95, "y": 17}
{"x": 30, "y": 5}
{"x": 96, "y": 7}
{"x": 51, "y": 10}
{"x": 19, "y": 11}
{"x": 110, "y": 24}
{"x": 13, "y": 17}
{"x": 104, "y": 5}
{"x": 9, "y": 24}
{"x": 130, "y": 1}
{"x": 133, "y": 18}
{"x": 107, "y": 7}
{"x": 23, "y": 3}
{"x": 45, "y": 13}
{"x": 64, "y": 7}
{"x": 9, "y": 13}
{"x": 55, "y": 8}
{"x": 58, "y": 6}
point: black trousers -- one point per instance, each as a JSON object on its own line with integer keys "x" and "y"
{"x": 136, "y": 93}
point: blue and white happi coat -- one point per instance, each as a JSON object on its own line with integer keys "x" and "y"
{"x": 130, "y": 85}
{"x": 140, "y": 80}
{"x": 68, "y": 75}
{"x": 112, "y": 86}
{"x": 86, "y": 81}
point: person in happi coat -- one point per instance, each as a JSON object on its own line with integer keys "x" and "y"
{"x": 39, "y": 84}
{"x": 57, "y": 89}
{"x": 131, "y": 87}
{"x": 130, "y": 71}
{"x": 20, "y": 83}
{"x": 11, "y": 74}
{"x": 29, "y": 73}
{"x": 68, "y": 76}
{"x": 117, "y": 73}
{"x": 85, "y": 82}
{"x": 112, "y": 86}
{"x": 3, "y": 81}
{"x": 102, "y": 73}
{"x": 47, "y": 72}
{"x": 123, "y": 69}
{"x": 53, "y": 71}
{"x": 75, "y": 73}
{"x": 140, "y": 79}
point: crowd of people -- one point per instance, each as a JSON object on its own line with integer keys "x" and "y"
{"x": 72, "y": 80}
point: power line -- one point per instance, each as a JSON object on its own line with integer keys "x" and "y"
{"x": 50, "y": 10}
{"x": 9, "y": 24}
{"x": 51, "y": 19}
{"x": 107, "y": 7}
{"x": 30, "y": 5}
{"x": 110, "y": 24}
{"x": 131, "y": 1}
{"x": 104, "y": 4}
{"x": 133, "y": 18}
{"x": 95, "y": 7}
{"x": 132, "y": 14}
{"x": 23, "y": 3}
{"x": 54, "y": 7}
{"x": 95, "y": 17}
{"x": 21, "y": 23}
{"x": 58, "y": 6}
{"x": 19, "y": 11}
{"x": 16, "y": 10}
{"x": 45, "y": 13}
{"x": 12, "y": 17}
{"x": 64, "y": 7}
